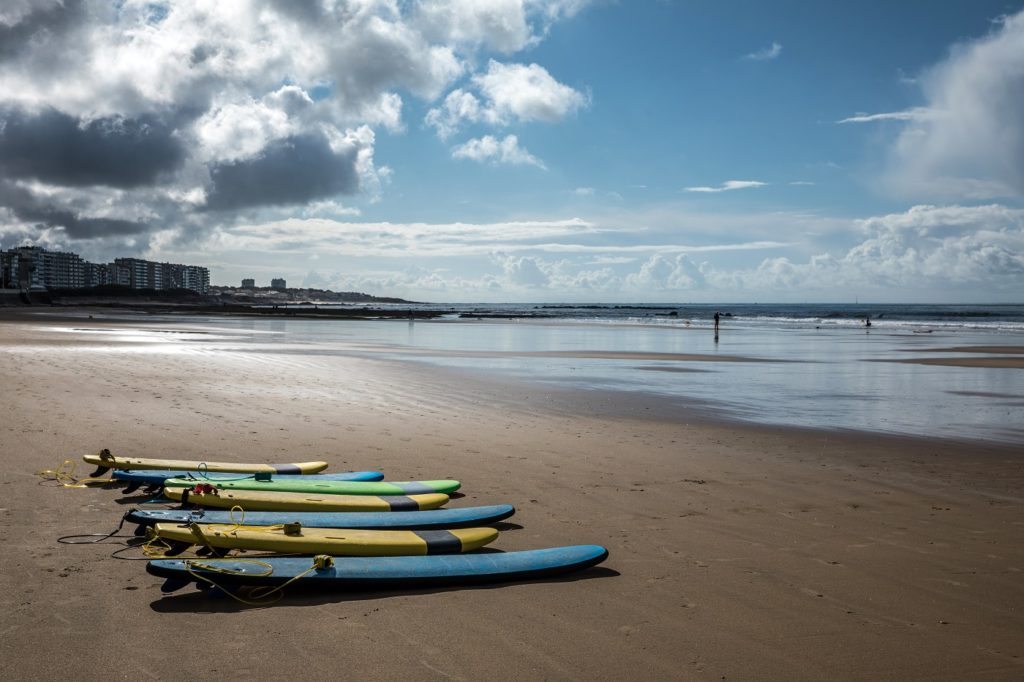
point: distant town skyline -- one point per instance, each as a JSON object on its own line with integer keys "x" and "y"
{"x": 27, "y": 268}
{"x": 527, "y": 150}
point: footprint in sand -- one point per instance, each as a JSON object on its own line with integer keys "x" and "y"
{"x": 629, "y": 630}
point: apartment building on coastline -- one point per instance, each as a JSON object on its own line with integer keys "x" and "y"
{"x": 27, "y": 267}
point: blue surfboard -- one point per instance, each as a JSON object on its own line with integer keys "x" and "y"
{"x": 158, "y": 476}
{"x": 465, "y": 517}
{"x": 380, "y": 572}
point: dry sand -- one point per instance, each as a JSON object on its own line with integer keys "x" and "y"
{"x": 736, "y": 552}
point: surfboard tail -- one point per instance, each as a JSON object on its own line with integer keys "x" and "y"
{"x": 104, "y": 456}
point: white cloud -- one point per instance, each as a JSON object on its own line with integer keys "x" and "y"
{"x": 525, "y": 272}
{"x": 396, "y": 239}
{"x": 228, "y": 90}
{"x": 402, "y": 57}
{"x": 531, "y": 275}
{"x": 240, "y": 131}
{"x": 967, "y": 140}
{"x": 610, "y": 260}
{"x": 509, "y": 93}
{"x": 925, "y": 248}
{"x": 663, "y": 273}
{"x": 527, "y": 93}
{"x": 458, "y": 106}
{"x": 728, "y": 185}
{"x": 501, "y": 25}
{"x": 927, "y": 252}
{"x": 329, "y": 208}
{"x": 498, "y": 24}
{"x": 766, "y": 54}
{"x": 903, "y": 78}
{"x": 915, "y": 114}
{"x": 421, "y": 240}
{"x": 951, "y": 243}
{"x": 584, "y": 191}
{"x": 515, "y": 278}
{"x": 649, "y": 248}
{"x": 916, "y": 253}
{"x": 489, "y": 149}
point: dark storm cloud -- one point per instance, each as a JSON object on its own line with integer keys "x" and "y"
{"x": 32, "y": 209}
{"x": 177, "y": 83}
{"x": 59, "y": 149}
{"x": 39, "y": 26}
{"x": 290, "y": 171}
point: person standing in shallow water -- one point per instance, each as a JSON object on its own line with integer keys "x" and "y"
{"x": 717, "y": 318}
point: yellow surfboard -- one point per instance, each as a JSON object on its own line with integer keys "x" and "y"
{"x": 104, "y": 460}
{"x": 333, "y": 541}
{"x": 260, "y": 500}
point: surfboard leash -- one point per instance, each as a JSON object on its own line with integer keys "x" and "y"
{"x": 202, "y": 473}
{"x": 149, "y": 549}
{"x": 100, "y": 537}
{"x": 64, "y": 474}
{"x": 260, "y": 595}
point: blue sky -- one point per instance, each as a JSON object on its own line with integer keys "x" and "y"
{"x": 522, "y": 150}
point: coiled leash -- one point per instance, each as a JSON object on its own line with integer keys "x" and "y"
{"x": 64, "y": 474}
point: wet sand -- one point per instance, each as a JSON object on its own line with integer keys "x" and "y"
{"x": 737, "y": 552}
{"x": 1005, "y": 357}
{"x": 997, "y": 362}
{"x": 596, "y": 355}
{"x": 1018, "y": 350}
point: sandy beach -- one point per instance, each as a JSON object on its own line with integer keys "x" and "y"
{"x": 737, "y": 551}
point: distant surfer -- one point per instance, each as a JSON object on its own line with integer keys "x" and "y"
{"x": 717, "y": 319}
{"x": 867, "y": 320}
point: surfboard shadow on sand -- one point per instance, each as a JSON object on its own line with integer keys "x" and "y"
{"x": 149, "y": 498}
{"x": 190, "y": 600}
{"x": 505, "y": 525}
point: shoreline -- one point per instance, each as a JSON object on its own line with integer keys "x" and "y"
{"x": 736, "y": 550}
{"x": 230, "y": 310}
{"x": 598, "y": 368}
{"x": 1013, "y": 361}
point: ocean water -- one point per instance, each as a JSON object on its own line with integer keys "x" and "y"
{"x": 913, "y": 317}
{"x": 816, "y": 366}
